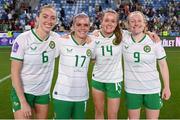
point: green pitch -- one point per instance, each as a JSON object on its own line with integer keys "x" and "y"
{"x": 170, "y": 108}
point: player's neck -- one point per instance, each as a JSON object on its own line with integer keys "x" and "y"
{"x": 41, "y": 34}
{"x": 80, "y": 41}
{"x": 106, "y": 35}
{"x": 138, "y": 37}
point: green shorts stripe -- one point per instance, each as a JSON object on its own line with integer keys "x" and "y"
{"x": 112, "y": 90}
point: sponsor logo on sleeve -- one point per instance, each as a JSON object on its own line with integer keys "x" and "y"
{"x": 15, "y": 47}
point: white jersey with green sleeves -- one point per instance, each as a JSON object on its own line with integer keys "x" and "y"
{"x": 140, "y": 60}
{"x": 38, "y": 58}
{"x": 72, "y": 81}
{"x": 108, "y": 60}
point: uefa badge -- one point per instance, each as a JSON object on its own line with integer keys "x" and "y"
{"x": 147, "y": 48}
{"x": 15, "y": 47}
{"x": 88, "y": 53}
{"x": 52, "y": 44}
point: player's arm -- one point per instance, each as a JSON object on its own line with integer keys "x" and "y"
{"x": 153, "y": 36}
{"x": 166, "y": 93}
{"x": 16, "y": 66}
{"x": 96, "y": 32}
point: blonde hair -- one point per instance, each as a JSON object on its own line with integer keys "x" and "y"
{"x": 140, "y": 13}
{"x": 44, "y": 7}
{"x": 40, "y": 11}
{"x": 80, "y": 15}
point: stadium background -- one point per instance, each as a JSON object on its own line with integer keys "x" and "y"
{"x": 163, "y": 17}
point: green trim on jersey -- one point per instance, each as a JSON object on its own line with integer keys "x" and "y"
{"x": 76, "y": 41}
{"x": 13, "y": 58}
{"x": 105, "y": 36}
{"x": 161, "y": 58}
{"x": 38, "y": 36}
{"x": 140, "y": 40}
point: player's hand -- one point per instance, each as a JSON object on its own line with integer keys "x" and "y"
{"x": 154, "y": 36}
{"x": 96, "y": 33}
{"x": 166, "y": 93}
{"x": 26, "y": 109}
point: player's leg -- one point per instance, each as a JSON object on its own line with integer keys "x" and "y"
{"x": 113, "y": 94}
{"x": 113, "y": 107}
{"x": 41, "y": 111}
{"x": 134, "y": 102}
{"x": 79, "y": 110}
{"x": 153, "y": 104}
{"x": 62, "y": 109}
{"x": 98, "y": 99}
{"x": 16, "y": 106}
{"x": 41, "y": 106}
{"x": 152, "y": 114}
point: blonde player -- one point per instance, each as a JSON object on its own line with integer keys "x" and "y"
{"x": 107, "y": 72}
{"x": 142, "y": 82}
{"x": 71, "y": 90}
{"x": 32, "y": 66}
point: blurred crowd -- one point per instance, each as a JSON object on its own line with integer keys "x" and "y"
{"x": 164, "y": 20}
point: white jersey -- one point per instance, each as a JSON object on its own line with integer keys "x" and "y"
{"x": 108, "y": 60}
{"x": 72, "y": 82}
{"x": 38, "y": 61}
{"x": 141, "y": 75}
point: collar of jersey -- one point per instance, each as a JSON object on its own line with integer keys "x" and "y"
{"x": 105, "y": 36}
{"x": 139, "y": 41}
{"x": 33, "y": 31}
{"x": 76, "y": 41}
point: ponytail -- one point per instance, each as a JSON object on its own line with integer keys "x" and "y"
{"x": 118, "y": 34}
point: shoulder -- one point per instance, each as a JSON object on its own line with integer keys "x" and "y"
{"x": 25, "y": 34}
{"x": 126, "y": 33}
{"x": 22, "y": 38}
{"x": 54, "y": 34}
{"x": 149, "y": 40}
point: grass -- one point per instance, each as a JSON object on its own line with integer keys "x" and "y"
{"x": 170, "y": 108}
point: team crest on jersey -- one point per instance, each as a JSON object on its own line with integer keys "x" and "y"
{"x": 88, "y": 52}
{"x": 52, "y": 44}
{"x": 114, "y": 42}
{"x": 147, "y": 48}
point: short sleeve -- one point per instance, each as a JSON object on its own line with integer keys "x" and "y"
{"x": 18, "y": 48}
{"x": 159, "y": 51}
{"x": 58, "y": 44}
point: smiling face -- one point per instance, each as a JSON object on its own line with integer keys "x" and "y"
{"x": 109, "y": 22}
{"x": 81, "y": 26}
{"x": 47, "y": 19}
{"x": 137, "y": 22}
